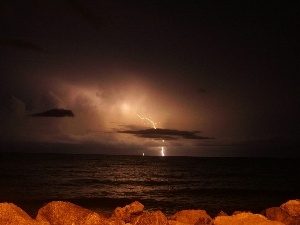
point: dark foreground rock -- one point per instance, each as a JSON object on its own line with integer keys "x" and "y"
{"x": 66, "y": 213}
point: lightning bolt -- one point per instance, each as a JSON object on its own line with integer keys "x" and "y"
{"x": 145, "y": 118}
{"x": 162, "y": 152}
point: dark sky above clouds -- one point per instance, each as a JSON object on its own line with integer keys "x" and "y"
{"x": 223, "y": 73}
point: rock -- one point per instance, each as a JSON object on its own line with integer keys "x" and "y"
{"x": 173, "y": 222}
{"x": 195, "y": 217}
{"x": 222, "y": 213}
{"x": 288, "y": 213}
{"x": 147, "y": 218}
{"x": 136, "y": 207}
{"x": 238, "y": 212}
{"x": 277, "y": 214}
{"x": 292, "y": 207}
{"x": 60, "y": 213}
{"x": 11, "y": 214}
{"x": 126, "y": 212}
{"x": 244, "y": 219}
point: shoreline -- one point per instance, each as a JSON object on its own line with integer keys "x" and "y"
{"x": 107, "y": 205}
{"x": 63, "y": 212}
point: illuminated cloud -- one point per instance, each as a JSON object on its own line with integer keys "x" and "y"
{"x": 54, "y": 113}
{"x": 165, "y": 134}
{"x": 145, "y": 66}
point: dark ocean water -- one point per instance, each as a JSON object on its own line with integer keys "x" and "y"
{"x": 102, "y": 182}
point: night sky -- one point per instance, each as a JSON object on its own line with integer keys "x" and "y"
{"x": 126, "y": 77}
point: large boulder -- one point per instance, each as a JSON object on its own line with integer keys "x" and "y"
{"x": 10, "y": 214}
{"x": 292, "y": 207}
{"x": 125, "y": 213}
{"x": 194, "y": 217}
{"x": 60, "y": 213}
{"x": 288, "y": 213}
{"x": 244, "y": 219}
{"x": 277, "y": 214}
{"x": 150, "y": 218}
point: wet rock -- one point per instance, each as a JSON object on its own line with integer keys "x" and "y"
{"x": 10, "y": 214}
{"x": 147, "y": 218}
{"x": 245, "y": 219}
{"x": 292, "y": 207}
{"x": 60, "y": 213}
{"x": 126, "y": 212}
{"x": 195, "y": 217}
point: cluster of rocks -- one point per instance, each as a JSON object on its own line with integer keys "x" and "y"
{"x": 66, "y": 213}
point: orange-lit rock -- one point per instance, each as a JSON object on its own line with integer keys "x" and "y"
{"x": 173, "y": 222}
{"x": 222, "y": 213}
{"x": 60, "y": 213}
{"x": 195, "y": 217}
{"x": 287, "y": 213}
{"x": 10, "y": 214}
{"x": 277, "y": 214}
{"x": 292, "y": 207}
{"x": 125, "y": 213}
{"x": 244, "y": 219}
{"x": 147, "y": 218}
{"x": 238, "y": 212}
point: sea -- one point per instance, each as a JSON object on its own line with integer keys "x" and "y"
{"x": 171, "y": 183}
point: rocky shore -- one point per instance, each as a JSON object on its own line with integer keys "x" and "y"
{"x": 66, "y": 213}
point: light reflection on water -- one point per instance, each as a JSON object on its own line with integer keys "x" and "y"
{"x": 166, "y": 183}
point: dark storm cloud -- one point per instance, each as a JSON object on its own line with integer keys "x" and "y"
{"x": 21, "y": 44}
{"x": 166, "y": 134}
{"x": 54, "y": 113}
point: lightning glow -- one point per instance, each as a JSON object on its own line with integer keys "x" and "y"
{"x": 162, "y": 151}
{"x": 145, "y": 118}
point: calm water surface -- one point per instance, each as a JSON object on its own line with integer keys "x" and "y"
{"x": 101, "y": 182}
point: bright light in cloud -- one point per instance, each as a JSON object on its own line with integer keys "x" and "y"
{"x": 125, "y": 107}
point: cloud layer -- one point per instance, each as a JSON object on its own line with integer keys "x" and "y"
{"x": 54, "y": 113}
{"x": 164, "y": 134}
